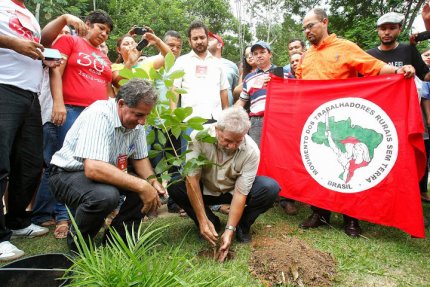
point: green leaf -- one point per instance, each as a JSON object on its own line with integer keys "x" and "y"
{"x": 150, "y": 138}
{"x": 204, "y": 136}
{"x": 181, "y": 91}
{"x": 176, "y": 74}
{"x": 171, "y": 95}
{"x": 176, "y": 131}
{"x": 168, "y": 83}
{"x": 153, "y": 153}
{"x": 122, "y": 81}
{"x": 196, "y": 123}
{"x": 141, "y": 73}
{"x": 182, "y": 113}
{"x": 161, "y": 138}
{"x": 154, "y": 74}
{"x": 126, "y": 73}
{"x": 169, "y": 60}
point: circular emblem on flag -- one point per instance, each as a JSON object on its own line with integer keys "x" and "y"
{"x": 349, "y": 145}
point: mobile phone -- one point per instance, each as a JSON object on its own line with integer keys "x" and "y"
{"x": 422, "y": 36}
{"x": 52, "y": 54}
{"x": 142, "y": 44}
{"x": 140, "y": 30}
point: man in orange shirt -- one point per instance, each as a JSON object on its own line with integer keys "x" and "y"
{"x": 332, "y": 58}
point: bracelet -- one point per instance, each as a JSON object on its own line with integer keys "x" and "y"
{"x": 230, "y": 227}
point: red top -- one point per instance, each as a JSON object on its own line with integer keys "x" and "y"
{"x": 19, "y": 3}
{"x": 87, "y": 74}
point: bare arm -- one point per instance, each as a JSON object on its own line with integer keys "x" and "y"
{"x": 58, "y": 116}
{"x": 425, "y": 103}
{"x": 240, "y": 103}
{"x": 236, "y": 210}
{"x": 425, "y": 13}
{"x": 106, "y": 173}
{"x": 158, "y": 61}
{"x": 408, "y": 71}
{"x": 224, "y": 98}
{"x": 21, "y": 46}
{"x": 53, "y": 28}
{"x": 194, "y": 193}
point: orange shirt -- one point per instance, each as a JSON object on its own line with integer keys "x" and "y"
{"x": 336, "y": 58}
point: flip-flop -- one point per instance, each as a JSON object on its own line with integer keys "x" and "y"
{"x": 61, "y": 230}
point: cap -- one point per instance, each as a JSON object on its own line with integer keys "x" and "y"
{"x": 219, "y": 39}
{"x": 391, "y": 17}
{"x": 261, "y": 44}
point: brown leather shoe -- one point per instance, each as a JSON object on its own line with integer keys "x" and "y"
{"x": 290, "y": 208}
{"x": 314, "y": 221}
{"x": 352, "y": 228}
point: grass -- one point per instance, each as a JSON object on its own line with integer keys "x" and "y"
{"x": 385, "y": 257}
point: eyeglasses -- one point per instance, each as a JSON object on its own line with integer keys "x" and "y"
{"x": 310, "y": 25}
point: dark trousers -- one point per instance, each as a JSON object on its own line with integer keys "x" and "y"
{"x": 21, "y": 157}
{"x": 263, "y": 194}
{"x": 326, "y": 214}
{"x": 93, "y": 201}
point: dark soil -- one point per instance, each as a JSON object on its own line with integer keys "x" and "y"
{"x": 280, "y": 259}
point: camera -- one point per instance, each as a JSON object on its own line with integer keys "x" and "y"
{"x": 422, "y": 36}
{"x": 140, "y": 30}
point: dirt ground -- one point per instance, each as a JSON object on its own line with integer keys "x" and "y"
{"x": 280, "y": 259}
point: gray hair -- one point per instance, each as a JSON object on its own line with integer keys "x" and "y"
{"x": 234, "y": 119}
{"x": 137, "y": 90}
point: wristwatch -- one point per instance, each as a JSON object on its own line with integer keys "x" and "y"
{"x": 230, "y": 227}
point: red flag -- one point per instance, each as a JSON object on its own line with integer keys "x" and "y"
{"x": 351, "y": 146}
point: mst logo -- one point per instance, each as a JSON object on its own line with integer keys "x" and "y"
{"x": 349, "y": 145}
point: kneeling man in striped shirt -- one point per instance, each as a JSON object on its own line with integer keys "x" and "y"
{"x": 89, "y": 173}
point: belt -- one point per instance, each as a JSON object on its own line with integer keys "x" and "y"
{"x": 54, "y": 168}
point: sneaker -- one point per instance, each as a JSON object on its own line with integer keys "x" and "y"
{"x": 8, "y": 251}
{"x": 30, "y": 231}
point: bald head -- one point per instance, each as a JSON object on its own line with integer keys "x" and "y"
{"x": 315, "y": 26}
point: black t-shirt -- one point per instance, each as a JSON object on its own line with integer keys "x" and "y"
{"x": 400, "y": 56}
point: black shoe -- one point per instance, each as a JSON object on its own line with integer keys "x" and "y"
{"x": 314, "y": 221}
{"x": 242, "y": 236}
{"x": 352, "y": 228}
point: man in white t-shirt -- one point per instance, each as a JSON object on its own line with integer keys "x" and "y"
{"x": 205, "y": 79}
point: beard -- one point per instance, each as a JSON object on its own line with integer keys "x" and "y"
{"x": 200, "y": 49}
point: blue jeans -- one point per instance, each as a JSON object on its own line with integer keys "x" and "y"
{"x": 45, "y": 206}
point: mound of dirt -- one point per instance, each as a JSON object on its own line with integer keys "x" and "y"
{"x": 287, "y": 260}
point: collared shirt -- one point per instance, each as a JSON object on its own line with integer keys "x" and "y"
{"x": 203, "y": 81}
{"x": 230, "y": 172}
{"x": 99, "y": 135}
{"x": 254, "y": 90}
{"x": 336, "y": 58}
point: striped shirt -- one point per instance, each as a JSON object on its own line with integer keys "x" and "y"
{"x": 99, "y": 135}
{"x": 255, "y": 90}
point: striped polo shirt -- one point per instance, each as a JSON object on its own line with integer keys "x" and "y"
{"x": 255, "y": 91}
{"x": 99, "y": 135}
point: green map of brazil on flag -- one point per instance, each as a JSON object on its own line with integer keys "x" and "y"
{"x": 351, "y": 146}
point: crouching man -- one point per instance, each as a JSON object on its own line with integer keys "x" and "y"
{"x": 89, "y": 173}
{"x": 231, "y": 179}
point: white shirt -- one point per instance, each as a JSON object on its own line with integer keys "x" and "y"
{"x": 16, "y": 69}
{"x": 203, "y": 81}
